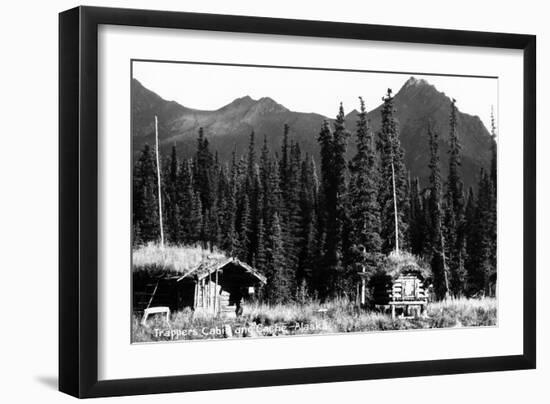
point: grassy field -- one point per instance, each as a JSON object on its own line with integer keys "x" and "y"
{"x": 337, "y": 316}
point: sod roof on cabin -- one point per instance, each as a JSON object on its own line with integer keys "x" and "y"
{"x": 182, "y": 262}
{"x": 405, "y": 263}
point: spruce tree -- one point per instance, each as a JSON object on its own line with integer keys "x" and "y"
{"x": 454, "y": 217}
{"x": 333, "y": 171}
{"x": 278, "y": 288}
{"x": 185, "y": 200}
{"x": 493, "y": 151}
{"x": 393, "y": 196}
{"x": 274, "y": 201}
{"x": 265, "y": 187}
{"x": 229, "y": 232}
{"x": 251, "y": 161}
{"x": 253, "y": 189}
{"x": 437, "y": 242}
{"x": 203, "y": 171}
{"x": 454, "y": 249}
{"x": 454, "y": 181}
{"x": 321, "y": 275}
{"x": 493, "y": 199}
{"x": 196, "y": 222}
{"x": 261, "y": 257}
{"x": 171, "y": 198}
{"x": 145, "y": 197}
{"x": 486, "y": 223}
{"x": 292, "y": 228}
{"x": 364, "y": 183}
{"x": 244, "y": 230}
{"x": 307, "y": 254}
{"x": 474, "y": 281}
{"x": 284, "y": 161}
{"x": 224, "y": 187}
{"x": 340, "y": 135}
{"x": 481, "y": 271}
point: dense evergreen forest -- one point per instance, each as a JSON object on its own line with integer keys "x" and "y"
{"x": 311, "y": 228}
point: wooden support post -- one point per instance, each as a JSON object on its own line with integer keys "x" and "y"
{"x": 202, "y": 292}
{"x": 208, "y": 303}
{"x": 363, "y": 288}
{"x": 216, "y": 302}
{"x": 195, "y": 298}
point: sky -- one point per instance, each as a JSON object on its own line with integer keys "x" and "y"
{"x": 210, "y": 87}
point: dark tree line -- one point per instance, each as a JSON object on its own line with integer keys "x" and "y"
{"x": 310, "y": 235}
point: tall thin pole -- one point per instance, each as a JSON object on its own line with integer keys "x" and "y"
{"x": 363, "y": 287}
{"x": 395, "y": 206}
{"x": 158, "y": 180}
{"x": 216, "y": 301}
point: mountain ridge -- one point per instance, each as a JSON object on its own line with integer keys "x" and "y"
{"x": 417, "y": 103}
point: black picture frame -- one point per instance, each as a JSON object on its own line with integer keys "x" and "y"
{"x": 78, "y": 201}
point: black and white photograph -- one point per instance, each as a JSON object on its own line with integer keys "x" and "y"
{"x": 282, "y": 201}
{"x": 275, "y": 202}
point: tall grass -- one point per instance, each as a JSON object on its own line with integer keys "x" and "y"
{"x": 335, "y": 316}
{"x": 463, "y": 312}
{"x": 178, "y": 259}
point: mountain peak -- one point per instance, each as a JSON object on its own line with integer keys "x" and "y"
{"x": 415, "y": 88}
{"x": 249, "y": 102}
{"x": 267, "y": 105}
{"x": 414, "y": 82}
{"x": 243, "y": 100}
{"x": 241, "y": 103}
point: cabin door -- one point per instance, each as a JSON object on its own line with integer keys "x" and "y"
{"x": 409, "y": 288}
{"x": 185, "y": 296}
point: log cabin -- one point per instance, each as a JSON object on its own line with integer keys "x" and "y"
{"x": 402, "y": 287}
{"x": 185, "y": 277}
